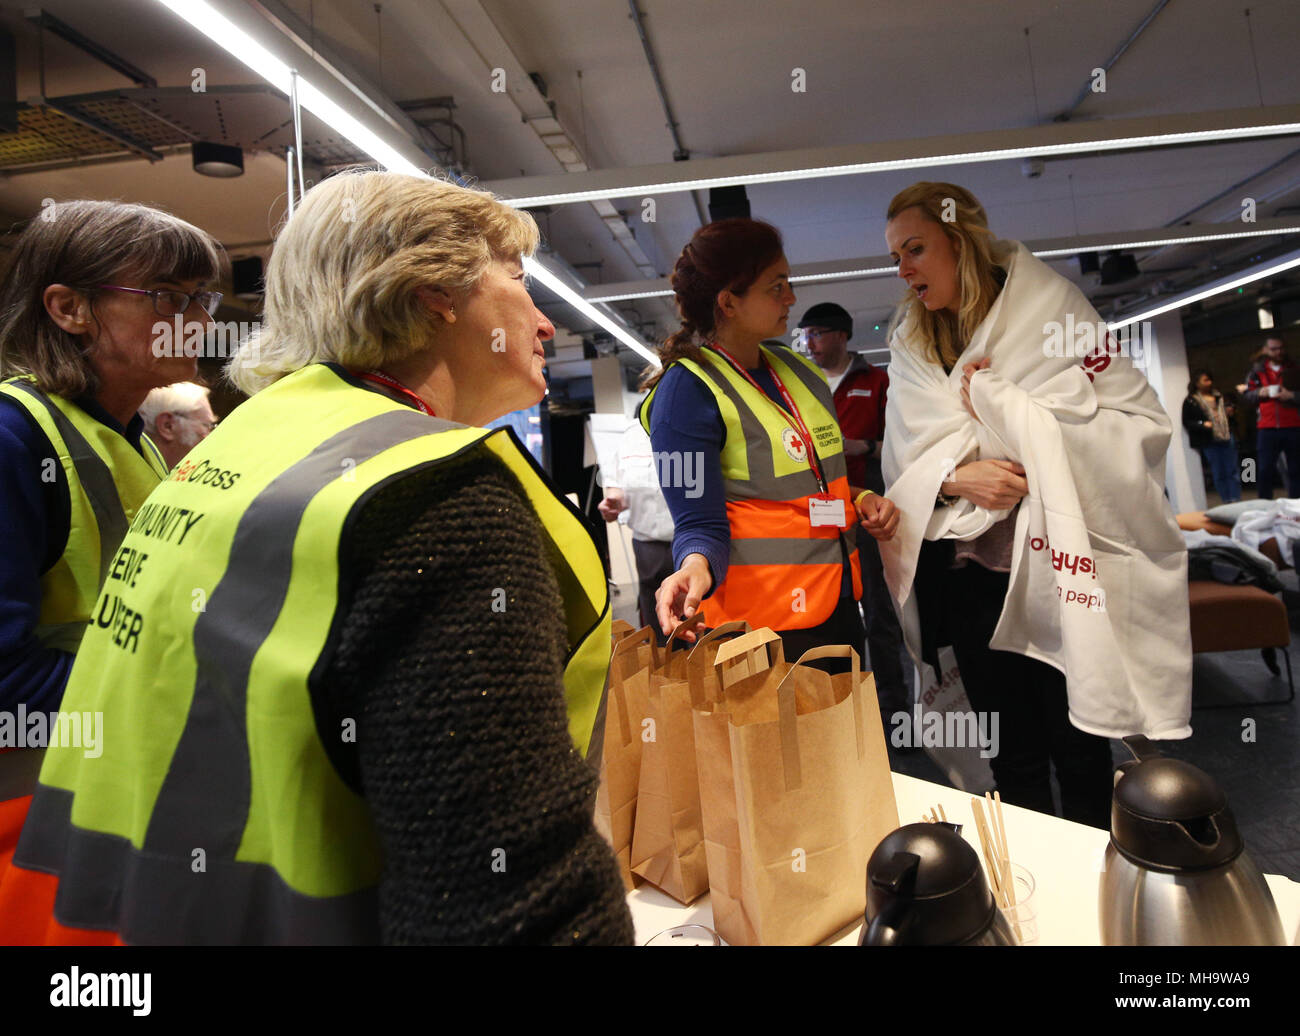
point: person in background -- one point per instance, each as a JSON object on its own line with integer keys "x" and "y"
{"x": 770, "y": 536}
{"x": 1279, "y": 416}
{"x": 177, "y": 418}
{"x": 860, "y": 389}
{"x": 1208, "y": 420}
{"x": 634, "y": 488}
{"x": 360, "y": 644}
{"x": 79, "y": 302}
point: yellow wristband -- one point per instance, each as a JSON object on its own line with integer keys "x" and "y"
{"x": 858, "y": 499}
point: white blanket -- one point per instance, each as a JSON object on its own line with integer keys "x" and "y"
{"x": 1281, "y": 519}
{"x": 1098, "y": 584}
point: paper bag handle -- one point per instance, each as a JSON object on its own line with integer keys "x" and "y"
{"x": 727, "y": 629}
{"x": 685, "y": 626}
{"x": 785, "y": 698}
{"x": 625, "y": 647}
{"x": 855, "y": 692}
{"x": 752, "y": 641}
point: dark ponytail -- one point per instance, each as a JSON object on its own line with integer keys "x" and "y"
{"x": 727, "y": 255}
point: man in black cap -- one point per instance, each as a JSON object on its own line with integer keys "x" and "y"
{"x": 859, "y": 389}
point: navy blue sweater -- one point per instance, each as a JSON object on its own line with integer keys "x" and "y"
{"x": 34, "y": 522}
{"x": 685, "y": 421}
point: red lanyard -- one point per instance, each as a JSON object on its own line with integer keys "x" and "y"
{"x": 789, "y": 405}
{"x": 380, "y": 378}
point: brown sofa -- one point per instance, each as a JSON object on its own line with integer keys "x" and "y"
{"x": 1239, "y": 618}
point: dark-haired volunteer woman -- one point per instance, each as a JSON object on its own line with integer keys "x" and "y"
{"x": 80, "y": 299}
{"x": 765, "y": 530}
{"x": 363, "y": 639}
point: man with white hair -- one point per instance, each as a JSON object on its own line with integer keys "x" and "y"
{"x": 177, "y": 418}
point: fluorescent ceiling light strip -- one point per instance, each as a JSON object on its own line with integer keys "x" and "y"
{"x": 1161, "y": 242}
{"x": 809, "y": 278}
{"x": 555, "y": 284}
{"x": 663, "y": 293}
{"x": 958, "y": 158}
{"x": 1206, "y": 293}
{"x": 222, "y": 31}
{"x": 225, "y": 33}
{"x": 1049, "y": 253}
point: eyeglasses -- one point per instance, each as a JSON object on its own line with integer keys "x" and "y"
{"x": 209, "y": 425}
{"x": 170, "y": 303}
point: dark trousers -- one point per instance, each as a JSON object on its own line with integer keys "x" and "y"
{"x": 884, "y": 634}
{"x": 1030, "y": 700}
{"x": 654, "y": 564}
{"x": 1221, "y": 460}
{"x": 843, "y": 627}
{"x": 1273, "y": 441}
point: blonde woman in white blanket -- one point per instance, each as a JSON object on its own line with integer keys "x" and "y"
{"x": 1035, "y": 538}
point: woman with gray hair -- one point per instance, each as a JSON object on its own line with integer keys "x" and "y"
{"x": 87, "y": 287}
{"x": 360, "y": 642}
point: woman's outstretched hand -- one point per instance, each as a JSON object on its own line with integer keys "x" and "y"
{"x": 966, "y": 373}
{"x": 995, "y": 485}
{"x": 878, "y": 515}
{"x": 679, "y": 596}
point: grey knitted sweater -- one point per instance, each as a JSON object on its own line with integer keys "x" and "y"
{"x": 481, "y": 802}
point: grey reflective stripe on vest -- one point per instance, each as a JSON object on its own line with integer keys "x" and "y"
{"x": 95, "y": 477}
{"x": 152, "y": 447}
{"x": 204, "y": 799}
{"x": 804, "y": 551}
{"x": 762, "y": 484}
{"x": 18, "y": 772}
{"x": 154, "y": 900}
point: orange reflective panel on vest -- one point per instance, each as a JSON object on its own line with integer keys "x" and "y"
{"x": 783, "y": 572}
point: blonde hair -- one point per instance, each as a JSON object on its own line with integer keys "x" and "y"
{"x": 86, "y": 244}
{"x": 341, "y": 282}
{"x": 943, "y": 336}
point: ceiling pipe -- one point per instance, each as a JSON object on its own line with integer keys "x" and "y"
{"x": 44, "y": 20}
{"x": 680, "y": 151}
{"x": 1110, "y": 61}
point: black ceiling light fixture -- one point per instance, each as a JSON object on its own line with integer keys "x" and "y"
{"x": 223, "y": 160}
{"x": 1118, "y": 267}
{"x": 728, "y": 202}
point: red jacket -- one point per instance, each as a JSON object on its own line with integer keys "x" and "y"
{"x": 1273, "y": 413}
{"x": 860, "y": 407}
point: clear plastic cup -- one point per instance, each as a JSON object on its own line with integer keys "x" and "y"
{"x": 1023, "y": 917}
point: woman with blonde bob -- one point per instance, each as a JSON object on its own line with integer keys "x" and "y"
{"x": 85, "y": 293}
{"x": 1035, "y": 537}
{"x": 371, "y": 637}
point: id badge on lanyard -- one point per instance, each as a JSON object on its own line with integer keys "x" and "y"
{"x": 825, "y": 509}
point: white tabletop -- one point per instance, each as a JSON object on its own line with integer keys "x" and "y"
{"x": 1065, "y": 859}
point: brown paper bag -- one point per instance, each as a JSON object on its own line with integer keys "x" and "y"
{"x": 668, "y": 838}
{"x": 619, "y": 725}
{"x": 795, "y": 792}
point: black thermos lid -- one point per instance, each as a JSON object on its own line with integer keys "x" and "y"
{"x": 1170, "y": 816}
{"x": 925, "y": 883}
